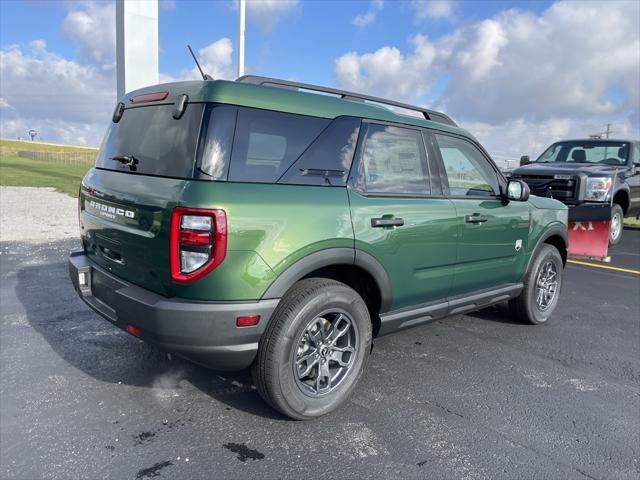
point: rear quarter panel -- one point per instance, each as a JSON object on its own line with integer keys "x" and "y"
{"x": 270, "y": 227}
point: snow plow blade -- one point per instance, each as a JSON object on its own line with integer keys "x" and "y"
{"x": 589, "y": 239}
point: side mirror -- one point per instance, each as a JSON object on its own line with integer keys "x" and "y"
{"x": 525, "y": 160}
{"x": 518, "y": 191}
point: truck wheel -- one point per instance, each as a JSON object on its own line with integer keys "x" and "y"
{"x": 314, "y": 350}
{"x": 617, "y": 223}
{"x": 542, "y": 284}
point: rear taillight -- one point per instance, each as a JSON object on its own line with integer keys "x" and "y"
{"x": 198, "y": 242}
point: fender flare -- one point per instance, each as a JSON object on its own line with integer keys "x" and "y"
{"x": 625, "y": 190}
{"x": 555, "y": 230}
{"x": 327, "y": 258}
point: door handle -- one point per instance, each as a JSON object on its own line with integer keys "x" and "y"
{"x": 475, "y": 218}
{"x": 387, "y": 222}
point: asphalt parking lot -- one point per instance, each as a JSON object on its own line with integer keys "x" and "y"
{"x": 468, "y": 397}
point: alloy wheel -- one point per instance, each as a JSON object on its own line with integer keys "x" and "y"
{"x": 546, "y": 285}
{"x": 325, "y": 352}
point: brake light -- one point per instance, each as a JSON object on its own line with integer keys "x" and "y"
{"x": 149, "y": 97}
{"x": 194, "y": 238}
{"x": 197, "y": 242}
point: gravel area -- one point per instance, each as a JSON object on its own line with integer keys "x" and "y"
{"x": 37, "y": 215}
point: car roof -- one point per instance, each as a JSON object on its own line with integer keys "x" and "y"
{"x": 286, "y": 100}
{"x": 587, "y": 140}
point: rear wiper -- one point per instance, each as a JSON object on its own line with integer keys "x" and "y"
{"x": 127, "y": 160}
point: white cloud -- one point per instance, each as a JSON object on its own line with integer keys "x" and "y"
{"x": 38, "y": 45}
{"x": 216, "y": 59}
{"x": 552, "y": 72}
{"x": 368, "y": 17}
{"x": 4, "y": 105}
{"x": 92, "y": 26}
{"x": 267, "y": 13}
{"x": 565, "y": 60}
{"x": 434, "y": 9}
{"x": 62, "y": 98}
{"x": 388, "y": 72}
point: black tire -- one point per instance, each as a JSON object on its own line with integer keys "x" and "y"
{"x": 617, "y": 221}
{"x": 292, "y": 334}
{"x": 526, "y": 307}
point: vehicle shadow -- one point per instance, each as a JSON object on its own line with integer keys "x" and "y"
{"x": 496, "y": 313}
{"x": 91, "y": 344}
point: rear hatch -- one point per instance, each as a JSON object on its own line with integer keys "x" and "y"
{"x": 145, "y": 162}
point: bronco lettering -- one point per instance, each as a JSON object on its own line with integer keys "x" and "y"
{"x": 109, "y": 211}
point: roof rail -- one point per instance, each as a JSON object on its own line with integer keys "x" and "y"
{"x": 428, "y": 114}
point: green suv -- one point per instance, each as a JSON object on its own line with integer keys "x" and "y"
{"x": 281, "y": 226}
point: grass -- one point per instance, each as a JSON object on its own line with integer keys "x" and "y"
{"x": 11, "y": 147}
{"x": 632, "y": 222}
{"x": 24, "y": 172}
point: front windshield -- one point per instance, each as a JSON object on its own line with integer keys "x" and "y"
{"x": 603, "y": 152}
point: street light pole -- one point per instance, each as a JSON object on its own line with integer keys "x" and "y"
{"x": 241, "y": 14}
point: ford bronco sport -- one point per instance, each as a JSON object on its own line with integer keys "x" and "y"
{"x": 282, "y": 226}
{"x": 598, "y": 179}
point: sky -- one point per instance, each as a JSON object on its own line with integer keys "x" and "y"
{"x": 517, "y": 74}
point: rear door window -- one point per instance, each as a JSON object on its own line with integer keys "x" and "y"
{"x": 394, "y": 162}
{"x": 160, "y": 144}
{"x": 267, "y": 143}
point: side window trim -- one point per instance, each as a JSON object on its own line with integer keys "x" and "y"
{"x": 439, "y": 187}
{"x": 356, "y": 181}
{"x": 445, "y": 179}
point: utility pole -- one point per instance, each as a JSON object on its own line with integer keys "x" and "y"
{"x": 608, "y": 130}
{"x": 241, "y": 14}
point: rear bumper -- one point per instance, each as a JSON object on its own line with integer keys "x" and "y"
{"x": 203, "y": 332}
{"x": 589, "y": 212}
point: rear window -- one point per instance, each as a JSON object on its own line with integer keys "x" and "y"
{"x": 160, "y": 144}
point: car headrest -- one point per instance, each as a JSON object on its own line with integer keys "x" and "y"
{"x": 579, "y": 156}
{"x": 622, "y": 152}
